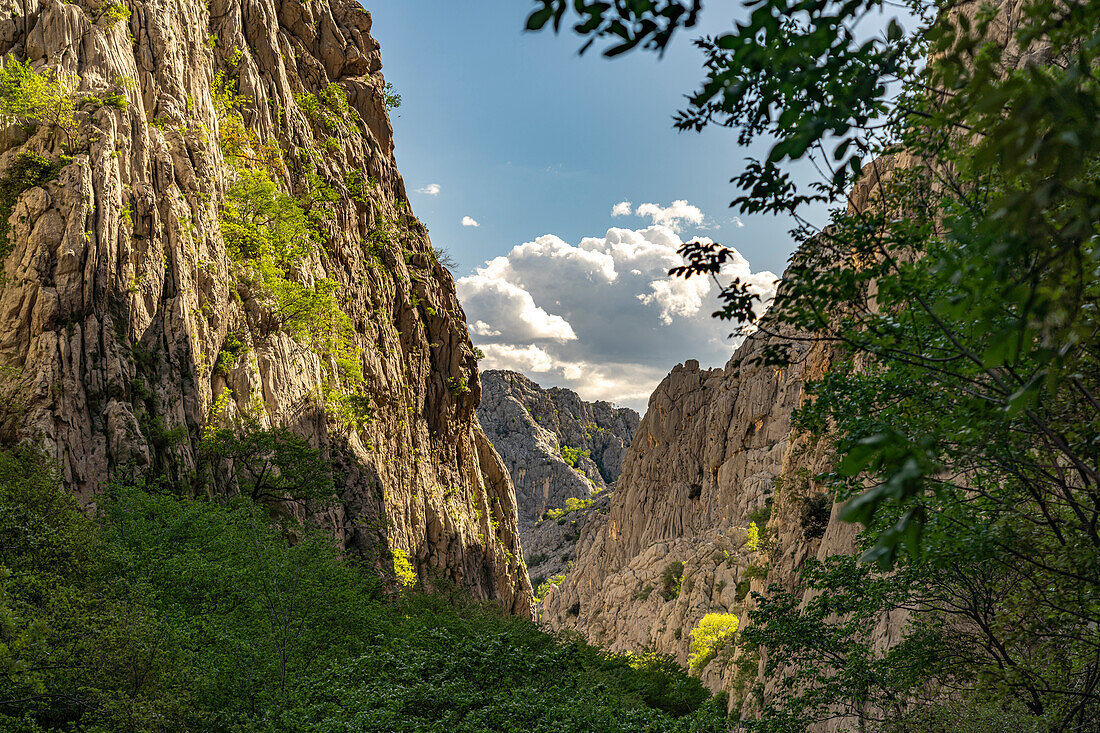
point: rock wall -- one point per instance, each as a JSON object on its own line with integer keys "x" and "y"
{"x": 705, "y": 462}
{"x": 119, "y": 299}
{"x": 533, "y": 429}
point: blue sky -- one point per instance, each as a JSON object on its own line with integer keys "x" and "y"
{"x": 537, "y": 144}
{"x": 526, "y": 137}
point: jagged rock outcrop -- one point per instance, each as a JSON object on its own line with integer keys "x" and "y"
{"x": 556, "y": 447}
{"x": 706, "y": 456}
{"x": 121, "y": 309}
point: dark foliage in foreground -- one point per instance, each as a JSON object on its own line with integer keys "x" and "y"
{"x": 175, "y": 614}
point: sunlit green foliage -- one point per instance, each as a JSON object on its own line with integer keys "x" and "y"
{"x": 573, "y": 455}
{"x": 544, "y": 587}
{"x": 710, "y": 636}
{"x": 403, "y": 569}
{"x": 116, "y": 13}
{"x": 173, "y": 614}
{"x": 35, "y": 97}
{"x": 230, "y": 351}
{"x": 572, "y": 504}
{"x": 273, "y": 237}
{"x": 390, "y": 97}
{"x": 329, "y": 109}
{"x": 752, "y": 537}
{"x": 239, "y": 143}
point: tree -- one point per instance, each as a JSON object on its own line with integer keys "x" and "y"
{"x": 958, "y": 292}
{"x": 39, "y": 98}
{"x": 267, "y": 466}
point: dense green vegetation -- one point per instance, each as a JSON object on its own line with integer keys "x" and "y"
{"x": 960, "y": 302}
{"x": 35, "y": 97}
{"x": 167, "y": 613}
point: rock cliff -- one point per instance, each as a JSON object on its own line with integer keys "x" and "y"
{"x": 556, "y": 447}
{"x": 133, "y": 316}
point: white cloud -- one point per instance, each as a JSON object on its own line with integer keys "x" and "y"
{"x": 601, "y": 316}
{"x": 621, "y": 209}
{"x": 519, "y": 359}
{"x": 672, "y": 216}
{"x": 432, "y": 189}
{"x": 468, "y": 221}
{"x": 513, "y": 311}
{"x": 737, "y": 222}
{"x": 481, "y": 328}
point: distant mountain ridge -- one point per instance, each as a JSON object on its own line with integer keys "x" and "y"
{"x": 556, "y": 447}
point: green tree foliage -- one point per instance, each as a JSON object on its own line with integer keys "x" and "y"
{"x": 266, "y": 466}
{"x": 35, "y": 97}
{"x": 709, "y": 637}
{"x": 273, "y": 237}
{"x": 573, "y": 455}
{"x": 962, "y": 297}
{"x": 671, "y": 579}
{"x": 174, "y": 614}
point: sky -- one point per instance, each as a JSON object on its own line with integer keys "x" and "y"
{"x": 558, "y": 185}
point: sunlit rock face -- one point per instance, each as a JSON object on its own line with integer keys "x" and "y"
{"x": 556, "y": 447}
{"x": 118, "y": 295}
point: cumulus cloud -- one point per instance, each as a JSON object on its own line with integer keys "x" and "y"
{"x": 527, "y": 359}
{"x": 737, "y": 222}
{"x": 601, "y": 316}
{"x": 468, "y": 221}
{"x": 621, "y": 209}
{"x": 673, "y": 216}
{"x": 432, "y": 189}
{"x": 511, "y": 311}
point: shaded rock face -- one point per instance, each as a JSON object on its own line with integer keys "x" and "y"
{"x": 539, "y": 433}
{"x": 118, "y": 295}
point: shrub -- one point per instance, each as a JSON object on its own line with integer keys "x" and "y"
{"x": 239, "y": 143}
{"x": 709, "y": 637}
{"x": 573, "y": 455}
{"x": 572, "y": 504}
{"x": 231, "y": 350}
{"x": 36, "y": 97}
{"x": 116, "y": 13}
{"x": 754, "y": 572}
{"x": 390, "y": 97}
{"x": 671, "y": 579}
{"x": 815, "y": 514}
{"x": 544, "y": 588}
{"x": 27, "y": 170}
{"x": 752, "y": 537}
{"x": 403, "y": 568}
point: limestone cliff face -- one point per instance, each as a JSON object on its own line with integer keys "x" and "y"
{"x": 707, "y": 455}
{"x": 534, "y": 428}
{"x": 119, "y": 303}
{"x": 556, "y": 447}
